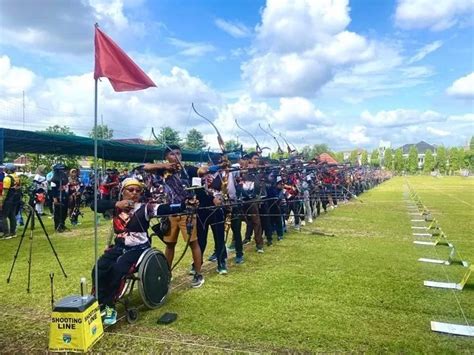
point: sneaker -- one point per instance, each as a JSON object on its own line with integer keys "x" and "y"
{"x": 260, "y": 250}
{"x": 198, "y": 280}
{"x": 280, "y": 237}
{"x": 192, "y": 272}
{"x": 246, "y": 241}
{"x": 212, "y": 258}
{"x": 231, "y": 247}
{"x": 13, "y": 235}
{"x": 269, "y": 243}
{"x": 297, "y": 227}
{"x": 310, "y": 220}
{"x": 303, "y": 223}
{"x": 239, "y": 259}
{"x": 222, "y": 270}
{"x": 110, "y": 316}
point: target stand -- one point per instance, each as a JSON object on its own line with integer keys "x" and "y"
{"x": 456, "y": 329}
{"x": 453, "y": 258}
{"x": 451, "y": 285}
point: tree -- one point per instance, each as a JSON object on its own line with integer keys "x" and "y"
{"x": 319, "y": 149}
{"x": 468, "y": 159}
{"x": 388, "y": 159}
{"x": 399, "y": 161}
{"x": 364, "y": 160}
{"x": 454, "y": 161}
{"x": 232, "y": 145}
{"x": 429, "y": 162}
{"x": 374, "y": 158}
{"x": 195, "y": 140}
{"x": 57, "y": 129}
{"x": 441, "y": 158}
{"x": 311, "y": 152}
{"x": 306, "y": 152}
{"x": 412, "y": 164}
{"x": 103, "y": 132}
{"x": 168, "y": 136}
{"x": 70, "y": 161}
{"x": 339, "y": 156}
{"x": 471, "y": 143}
{"x": 354, "y": 157}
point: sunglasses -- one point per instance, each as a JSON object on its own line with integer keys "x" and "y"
{"x": 131, "y": 190}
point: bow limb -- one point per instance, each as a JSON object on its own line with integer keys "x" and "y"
{"x": 220, "y": 140}
{"x": 257, "y": 147}
{"x": 279, "y": 150}
{"x": 290, "y": 151}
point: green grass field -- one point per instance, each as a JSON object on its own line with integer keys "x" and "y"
{"x": 361, "y": 290}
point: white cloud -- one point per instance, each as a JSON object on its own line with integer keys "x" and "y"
{"x": 414, "y": 72}
{"x": 424, "y": 51}
{"x": 69, "y": 101}
{"x": 192, "y": 49}
{"x": 462, "y": 88}
{"x": 434, "y": 15}
{"x": 468, "y": 117}
{"x": 438, "y": 132}
{"x": 235, "y": 29}
{"x": 401, "y": 117}
{"x": 303, "y": 48}
{"x": 55, "y": 27}
{"x": 112, "y": 10}
{"x": 299, "y": 113}
{"x": 384, "y": 74}
{"x": 297, "y": 25}
{"x": 14, "y": 80}
{"x": 300, "y": 45}
{"x": 293, "y": 117}
{"x": 358, "y": 135}
{"x": 51, "y": 26}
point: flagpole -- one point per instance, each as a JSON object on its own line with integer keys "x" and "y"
{"x": 96, "y": 276}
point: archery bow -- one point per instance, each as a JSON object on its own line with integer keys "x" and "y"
{"x": 219, "y": 137}
{"x": 180, "y": 163}
{"x": 279, "y": 150}
{"x": 225, "y": 159}
{"x": 258, "y": 149}
{"x": 290, "y": 151}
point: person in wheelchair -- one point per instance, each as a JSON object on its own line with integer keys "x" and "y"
{"x": 131, "y": 219}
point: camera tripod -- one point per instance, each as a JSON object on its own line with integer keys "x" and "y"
{"x": 30, "y": 221}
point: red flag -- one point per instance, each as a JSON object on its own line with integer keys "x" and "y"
{"x": 113, "y": 63}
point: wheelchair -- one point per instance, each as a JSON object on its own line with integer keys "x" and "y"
{"x": 152, "y": 275}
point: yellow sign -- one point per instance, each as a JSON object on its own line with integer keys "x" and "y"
{"x": 75, "y": 326}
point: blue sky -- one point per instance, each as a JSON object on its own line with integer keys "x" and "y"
{"x": 344, "y": 73}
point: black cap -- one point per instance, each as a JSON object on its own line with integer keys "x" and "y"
{"x": 171, "y": 147}
{"x": 59, "y": 167}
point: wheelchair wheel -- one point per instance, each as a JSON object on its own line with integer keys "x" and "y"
{"x": 132, "y": 315}
{"x": 154, "y": 278}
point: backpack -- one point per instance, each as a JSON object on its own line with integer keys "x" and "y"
{"x": 14, "y": 193}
